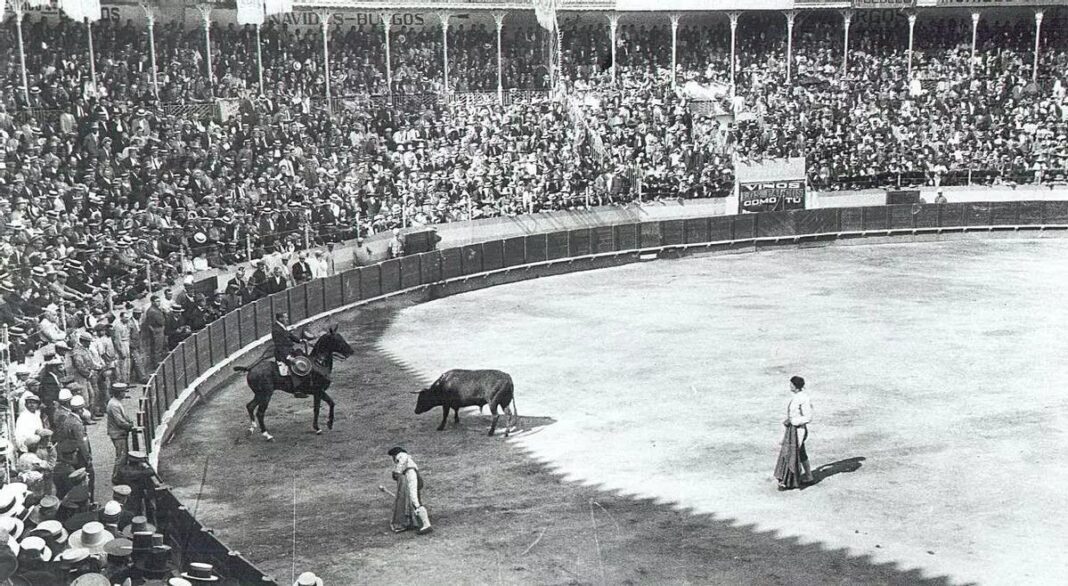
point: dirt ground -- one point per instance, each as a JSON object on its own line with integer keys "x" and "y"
{"x": 646, "y": 459}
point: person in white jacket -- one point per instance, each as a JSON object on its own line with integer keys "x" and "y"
{"x": 29, "y": 422}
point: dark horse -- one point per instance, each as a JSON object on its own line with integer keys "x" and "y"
{"x": 264, "y": 380}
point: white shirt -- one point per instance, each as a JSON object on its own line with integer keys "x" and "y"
{"x": 26, "y": 427}
{"x": 51, "y": 330}
{"x": 799, "y": 411}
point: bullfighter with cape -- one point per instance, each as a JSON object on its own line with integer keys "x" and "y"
{"x": 408, "y": 510}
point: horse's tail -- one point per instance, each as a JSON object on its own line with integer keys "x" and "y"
{"x": 264, "y": 356}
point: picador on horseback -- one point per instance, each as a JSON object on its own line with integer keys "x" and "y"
{"x": 294, "y": 370}
{"x": 286, "y": 352}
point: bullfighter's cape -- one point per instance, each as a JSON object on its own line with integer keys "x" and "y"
{"x": 787, "y": 468}
{"x": 404, "y": 505}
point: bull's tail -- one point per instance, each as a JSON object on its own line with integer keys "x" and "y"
{"x": 242, "y": 369}
{"x": 515, "y": 406}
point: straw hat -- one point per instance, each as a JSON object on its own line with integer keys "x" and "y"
{"x": 91, "y": 536}
{"x": 93, "y": 579}
{"x": 34, "y": 548}
{"x": 200, "y": 572}
{"x": 12, "y": 526}
{"x": 12, "y": 499}
{"x": 52, "y": 532}
{"x": 308, "y": 579}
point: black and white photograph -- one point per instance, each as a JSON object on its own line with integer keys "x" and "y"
{"x": 533, "y": 292}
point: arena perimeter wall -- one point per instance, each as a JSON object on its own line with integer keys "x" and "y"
{"x": 202, "y": 363}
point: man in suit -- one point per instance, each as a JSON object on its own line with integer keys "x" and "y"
{"x": 153, "y": 329}
{"x": 259, "y": 279}
{"x": 284, "y": 342}
{"x": 277, "y": 283}
{"x": 302, "y": 271}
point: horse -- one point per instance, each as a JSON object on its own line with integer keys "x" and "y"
{"x": 264, "y": 380}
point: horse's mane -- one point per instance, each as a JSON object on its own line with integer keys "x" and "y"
{"x": 320, "y": 343}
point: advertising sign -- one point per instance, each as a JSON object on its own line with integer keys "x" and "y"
{"x": 774, "y": 196}
{"x": 771, "y": 185}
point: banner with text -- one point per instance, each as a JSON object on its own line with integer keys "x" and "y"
{"x": 771, "y": 185}
{"x": 775, "y": 196}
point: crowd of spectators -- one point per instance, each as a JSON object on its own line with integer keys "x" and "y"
{"x": 105, "y": 192}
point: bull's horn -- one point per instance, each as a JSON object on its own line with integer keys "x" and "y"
{"x": 414, "y": 392}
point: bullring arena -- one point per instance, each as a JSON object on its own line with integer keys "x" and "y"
{"x": 653, "y": 216}
{"x": 650, "y": 397}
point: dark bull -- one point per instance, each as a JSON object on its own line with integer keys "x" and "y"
{"x": 468, "y": 388}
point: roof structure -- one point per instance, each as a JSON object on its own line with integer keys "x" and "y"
{"x": 386, "y": 5}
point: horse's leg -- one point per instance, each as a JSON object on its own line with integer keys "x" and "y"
{"x": 456, "y": 415}
{"x": 316, "y": 399}
{"x": 251, "y": 408}
{"x": 444, "y": 416}
{"x": 264, "y": 402}
{"x": 329, "y": 403}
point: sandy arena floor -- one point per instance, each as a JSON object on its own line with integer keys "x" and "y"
{"x": 652, "y": 396}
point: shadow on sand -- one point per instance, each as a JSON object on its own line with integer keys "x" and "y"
{"x": 840, "y": 467}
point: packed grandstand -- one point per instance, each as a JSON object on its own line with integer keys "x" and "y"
{"x": 217, "y": 146}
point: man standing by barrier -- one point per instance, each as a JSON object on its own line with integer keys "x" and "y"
{"x": 72, "y": 444}
{"x": 135, "y": 472}
{"x": 152, "y": 331}
{"x": 120, "y": 340}
{"x": 119, "y": 423}
{"x": 85, "y": 373}
{"x": 137, "y": 357}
